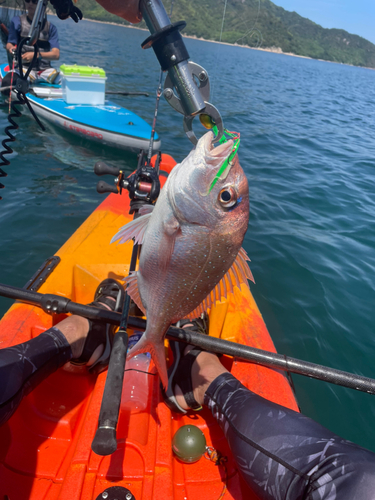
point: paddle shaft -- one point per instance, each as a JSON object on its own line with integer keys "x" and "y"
{"x": 119, "y": 92}
{"x": 56, "y": 304}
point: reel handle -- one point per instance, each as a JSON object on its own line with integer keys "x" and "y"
{"x": 104, "y": 187}
{"x": 102, "y": 168}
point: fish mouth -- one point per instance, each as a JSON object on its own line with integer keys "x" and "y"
{"x": 217, "y": 159}
{"x": 219, "y": 153}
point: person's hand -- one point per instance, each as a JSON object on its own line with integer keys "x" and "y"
{"x": 27, "y": 56}
{"x": 65, "y": 9}
{"x": 127, "y": 9}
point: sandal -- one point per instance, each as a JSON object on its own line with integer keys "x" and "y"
{"x": 180, "y": 370}
{"x": 101, "y": 333}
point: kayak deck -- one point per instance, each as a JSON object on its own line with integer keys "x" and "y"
{"x": 45, "y": 448}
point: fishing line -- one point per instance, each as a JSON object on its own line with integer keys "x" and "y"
{"x": 243, "y": 36}
{"x": 221, "y": 34}
{"x": 253, "y": 29}
{"x": 158, "y": 95}
{"x": 222, "y": 23}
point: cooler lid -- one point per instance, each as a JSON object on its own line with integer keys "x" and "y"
{"x": 86, "y": 71}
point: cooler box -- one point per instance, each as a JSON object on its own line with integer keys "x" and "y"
{"x": 83, "y": 84}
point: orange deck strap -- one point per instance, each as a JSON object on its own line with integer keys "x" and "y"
{"x": 45, "y": 451}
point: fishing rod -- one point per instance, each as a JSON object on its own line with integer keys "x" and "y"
{"x": 144, "y": 188}
{"x": 55, "y": 304}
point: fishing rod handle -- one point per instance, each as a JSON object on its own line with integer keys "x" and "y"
{"x": 105, "y": 441}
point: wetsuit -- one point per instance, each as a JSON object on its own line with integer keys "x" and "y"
{"x": 281, "y": 454}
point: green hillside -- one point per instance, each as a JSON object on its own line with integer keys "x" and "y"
{"x": 257, "y": 24}
{"x": 265, "y": 25}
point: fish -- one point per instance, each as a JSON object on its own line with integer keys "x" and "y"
{"x": 191, "y": 254}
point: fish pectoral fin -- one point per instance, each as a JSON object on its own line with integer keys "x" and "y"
{"x": 135, "y": 229}
{"x": 238, "y": 273}
{"x": 171, "y": 231}
{"x": 133, "y": 291}
{"x": 146, "y": 209}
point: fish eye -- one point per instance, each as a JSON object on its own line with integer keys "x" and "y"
{"x": 227, "y": 197}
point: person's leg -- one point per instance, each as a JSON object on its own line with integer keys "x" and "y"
{"x": 75, "y": 339}
{"x": 280, "y": 453}
{"x": 50, "y": 75}
{"x": 24, "y": 366}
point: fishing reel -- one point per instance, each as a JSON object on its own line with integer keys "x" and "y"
{"x": 143, "y": 185}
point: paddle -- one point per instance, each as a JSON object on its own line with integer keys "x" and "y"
{"x": 119, "y": 92}
{"x": 56, "y": 304}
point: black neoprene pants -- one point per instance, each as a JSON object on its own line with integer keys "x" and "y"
{"x": 284, "y": 455}
{"x": 281, "y": 454}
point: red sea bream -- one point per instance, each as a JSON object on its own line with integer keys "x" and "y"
{"x": 191, "y": 244}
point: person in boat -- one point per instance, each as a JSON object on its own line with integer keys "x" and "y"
{"x": 48, "y": 45}
{"x": 279, "y": 452}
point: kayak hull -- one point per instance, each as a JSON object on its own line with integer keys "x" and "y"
{"x": 46, "y": 445}
{"x": 109, "y": 124}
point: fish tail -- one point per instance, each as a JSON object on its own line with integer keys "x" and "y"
{"x": 157, "y": 351}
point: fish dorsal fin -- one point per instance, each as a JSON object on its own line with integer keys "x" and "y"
{"x": 133, "y": 291}
{"x": 135, "y": 229}
{"x": 237, "y": 274}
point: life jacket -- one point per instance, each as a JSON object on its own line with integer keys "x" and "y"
{"x": 43, "y": 42}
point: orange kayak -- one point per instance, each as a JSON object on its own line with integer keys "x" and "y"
{"x": 45, "y": 447}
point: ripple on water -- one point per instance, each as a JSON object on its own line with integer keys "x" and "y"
{"x": 307, "y": 147}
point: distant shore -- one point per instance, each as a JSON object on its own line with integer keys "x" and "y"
{"x": 274, "y": 50}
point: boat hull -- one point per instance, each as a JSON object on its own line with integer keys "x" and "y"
{"x": 46, "y": 445}
{"x": 109, "y": 124}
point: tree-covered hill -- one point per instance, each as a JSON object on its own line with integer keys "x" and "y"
{"x": 258, "y": 23}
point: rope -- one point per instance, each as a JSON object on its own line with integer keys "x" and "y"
{"x": 11, "y": 84}
{"x": 218, "y": 459}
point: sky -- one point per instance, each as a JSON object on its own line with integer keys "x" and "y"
{"x": 355, "y": 16}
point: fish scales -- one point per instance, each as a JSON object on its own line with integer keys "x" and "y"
{"x": 192, "y": 239}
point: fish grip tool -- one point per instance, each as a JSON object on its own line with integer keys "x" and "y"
{"x": 105, "y": 441}
{"x": 186, "y": 87}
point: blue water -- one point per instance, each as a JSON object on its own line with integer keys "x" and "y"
{"x": 308, "y": 150}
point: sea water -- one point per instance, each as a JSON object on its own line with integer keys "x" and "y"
{"x": 308, "y": 149}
